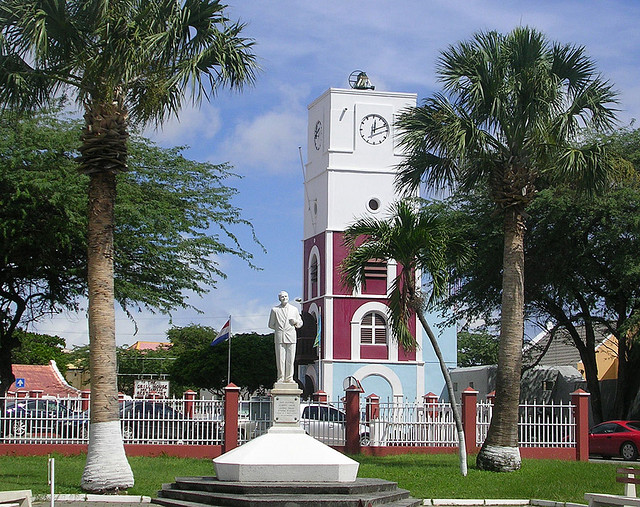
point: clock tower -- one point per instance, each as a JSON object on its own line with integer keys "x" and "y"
{"x": 350, "y": 174}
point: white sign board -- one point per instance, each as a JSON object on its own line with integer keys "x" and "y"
{"x": 144, "y": 388}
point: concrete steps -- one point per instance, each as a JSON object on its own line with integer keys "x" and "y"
{"x": 199, "y": 491}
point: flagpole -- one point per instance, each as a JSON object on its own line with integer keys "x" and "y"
{"x": 229, "y": 355}
{"x": 320, "y": 386}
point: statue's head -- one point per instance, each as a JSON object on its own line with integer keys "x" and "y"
{"x": 283, "y": 297}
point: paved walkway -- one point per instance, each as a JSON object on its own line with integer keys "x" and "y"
{"x": 133, "y": 501}
{"x": 85, "y": 503}
{"x": 89, "y": 500}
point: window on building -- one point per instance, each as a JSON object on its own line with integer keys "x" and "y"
{"x": 375, "y": 269}
{"x": 314, "y": 275}
{"x": 373, "y": 329}
{"x": 313, "y": 270}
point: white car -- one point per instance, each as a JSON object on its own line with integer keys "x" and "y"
{"x": 327, "y": 424}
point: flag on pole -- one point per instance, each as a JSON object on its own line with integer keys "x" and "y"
{"x": 224, "y": 334}
{"x": 318, "y": 332}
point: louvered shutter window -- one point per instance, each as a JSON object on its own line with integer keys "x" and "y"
{"x": 373, "y": 329}
{"x": 314, "y": 270}
{"x": 375, "y": 268}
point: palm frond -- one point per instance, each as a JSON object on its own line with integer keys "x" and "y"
{"x": 589, "y": 167}
{"x": 513, "y": 104}
{"x": 402, "y": 302}
{"x": 420, "y": 241}
{"x": 154, "y": 53}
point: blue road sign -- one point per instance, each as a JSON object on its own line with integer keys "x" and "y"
{"x": 20, "y": 383}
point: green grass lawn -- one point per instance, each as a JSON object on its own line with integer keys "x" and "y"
{"x": 438, "y": 476}
{"x": 426, "y": 476}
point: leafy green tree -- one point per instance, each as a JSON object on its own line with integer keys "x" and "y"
{"x": 159, "y": 362}
{"x": 40, "y": 349}
{"x": 42, "y": 222}
{"x": 511, "y": 117}
{"x": 134, "y": 364}
{"x": 253, "y": 364}
{"x": 79, "y": 356}
{"x": 169, "y": 248}
{"x": 595, "y": 282}
{"x": 582, "y": 274}
{"x": 124, "y": 61}
{"x": 476, "y": 349}
{"x": 187, "y": 338}
{"x": 420, "y": 241}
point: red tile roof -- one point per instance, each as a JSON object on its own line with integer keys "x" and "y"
{"x": 46, "y": 378}
{"x": 139, "y": 345}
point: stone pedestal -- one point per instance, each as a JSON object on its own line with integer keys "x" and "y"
{"x": 285, "y": 453}
{"x": 286, "y": 404}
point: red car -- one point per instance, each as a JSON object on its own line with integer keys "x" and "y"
{"x": 615, "y": 438}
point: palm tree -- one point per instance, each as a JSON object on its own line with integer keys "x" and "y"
{"x": 511, "y": 120}
{"x": 125, "y": 62}
{"x": 420, "y": 241}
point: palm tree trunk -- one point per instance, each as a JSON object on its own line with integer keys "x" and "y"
{"x": 107, "y": 468}
{"x": 462, "y": 448}
{"x": 500, "y": 451}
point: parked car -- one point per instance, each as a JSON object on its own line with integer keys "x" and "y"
{"x": 254, "y": 418}
{"x": 615, "y": 438}
{"x": 43, "y": 417}
{"x": 156, "y": 421}
{"x": 327, "y": 424}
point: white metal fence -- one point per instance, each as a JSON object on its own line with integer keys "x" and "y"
{"x": 173, "y": 421}
{"x": 413, "y": 424}
{"x": 62, "y": 420}
{"x": 254, "y": 418}
{"x": 201, "y": 422}
{"x": 539, "y": 425}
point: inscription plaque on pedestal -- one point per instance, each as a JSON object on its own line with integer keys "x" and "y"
{"x": 286, "y": 409}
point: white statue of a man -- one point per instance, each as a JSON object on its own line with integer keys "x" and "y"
{"x": 284, "y": 319}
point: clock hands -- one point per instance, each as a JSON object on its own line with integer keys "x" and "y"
{"x": 374, "y": 129}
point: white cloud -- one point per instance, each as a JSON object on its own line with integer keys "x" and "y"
{"x": 268, "y": 142}
{"x": 194, "y": 122}
{"x": 72, "y": 326}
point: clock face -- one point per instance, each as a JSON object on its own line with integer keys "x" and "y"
{"x": 374, "y": 129}
{"x": 317, "y": 135}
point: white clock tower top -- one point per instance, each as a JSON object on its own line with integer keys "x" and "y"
{"x": 352, "y": 156}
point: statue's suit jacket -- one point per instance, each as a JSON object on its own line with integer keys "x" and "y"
{"x": 279, "y": 317}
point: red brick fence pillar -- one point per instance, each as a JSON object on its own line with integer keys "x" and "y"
{"x": 373, "y": 407}
{"x": 580, "y": 402}
{"x": 231, "y": 397}
{"x": 85, "y": 396}
{"x": 319, "y": 397}
{"x": 469, "y": 411}
{"x": 189, "y": 396}
{"x": 352, "y": 424}
{"x": 431, "y": 401}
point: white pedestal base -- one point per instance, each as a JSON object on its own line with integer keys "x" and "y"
{"x": 285, "y": 454}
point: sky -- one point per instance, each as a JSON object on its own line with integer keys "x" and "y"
{"x": 303, "y": 49}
